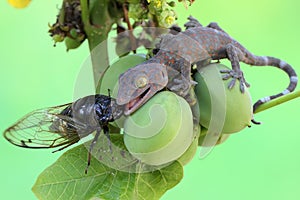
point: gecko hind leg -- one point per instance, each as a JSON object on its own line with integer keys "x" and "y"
{"x": 215, "y": 26}
{"x": 234, "y": 54}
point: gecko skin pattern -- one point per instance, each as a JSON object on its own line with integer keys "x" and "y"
{"x": 170, "y": 67}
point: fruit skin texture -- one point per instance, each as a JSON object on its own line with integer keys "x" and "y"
{"x": 161, "y": 130}
{"x": 238, "y": 106}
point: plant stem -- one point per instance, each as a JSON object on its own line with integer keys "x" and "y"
{"x": 278, "y": 101}
{"x": 97, "y": 24}
{"x": 85, "y": 14}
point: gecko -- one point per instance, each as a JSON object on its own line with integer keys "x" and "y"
{"x": 198, "y": 45}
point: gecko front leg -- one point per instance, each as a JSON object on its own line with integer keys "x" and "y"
{"x": 180, "y": 81}
{"x": 234, "y": 54}
{"x": 192, "y": 23}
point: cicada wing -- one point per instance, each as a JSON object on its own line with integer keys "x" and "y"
{"x": 44, "y": 128}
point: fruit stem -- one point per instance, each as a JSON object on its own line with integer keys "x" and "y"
{"x": 278, "y": 101}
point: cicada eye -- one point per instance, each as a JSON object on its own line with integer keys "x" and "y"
{"x": 141, "y": 81}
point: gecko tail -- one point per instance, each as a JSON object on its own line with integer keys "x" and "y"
{"x": 275, "y": 62}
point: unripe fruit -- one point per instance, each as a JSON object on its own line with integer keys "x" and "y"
{"x": 222, "y": 138}
{"x": 234, "y": 107}
{"x": 161, "y": 130}
{"x": 111, "y": 76}
{"x": 191, "y": 151}
{"x": 72, "y": 43}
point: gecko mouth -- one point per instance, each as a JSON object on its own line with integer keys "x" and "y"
{"x": 137, "y": 102}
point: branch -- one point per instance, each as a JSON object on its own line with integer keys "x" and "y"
{"x": 278, "y": 101}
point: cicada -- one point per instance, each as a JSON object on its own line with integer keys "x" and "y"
{"x": 62, "y": 126}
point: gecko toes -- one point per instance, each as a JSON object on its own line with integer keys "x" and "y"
{"x": 242, "y": 87}
{"x": 227, "y": 74}
{"x": 231, "y": 84}
{"x": 247, "y": 84}
{"x": 225, "y": 71}
{"x": 226, "y": 77}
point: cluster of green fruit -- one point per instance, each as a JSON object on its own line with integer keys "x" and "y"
{"x": 162, "y": 130}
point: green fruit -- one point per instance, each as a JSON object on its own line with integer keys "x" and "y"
{"x": 73, "y": 33}
{"x": 189, "y": 153}
{"x": 72, "y": 43}
{"x": 228, "y": 110}
{"x": 111, "y": 77}
{"x": 161, "y": 130}
{"x": 222, "y": 138}
{"x": 58, "y": 38}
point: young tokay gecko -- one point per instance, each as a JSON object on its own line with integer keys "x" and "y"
{"x": 171, "y": 66}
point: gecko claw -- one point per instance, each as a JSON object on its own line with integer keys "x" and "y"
{"x": 226, "y": 77}
{"x": 247, "y": 84}
{"x": 231, "y": 83}
{"x": 235, "y": 76}
{"x": 242, "y": 87}
{"x": 225, "y": 71}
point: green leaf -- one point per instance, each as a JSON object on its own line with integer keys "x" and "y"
{"x": 65, "y": 179}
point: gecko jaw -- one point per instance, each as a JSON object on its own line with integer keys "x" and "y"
{"x": 137, "y": 102}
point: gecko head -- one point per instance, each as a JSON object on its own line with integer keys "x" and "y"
{"x": 138, "y": 84}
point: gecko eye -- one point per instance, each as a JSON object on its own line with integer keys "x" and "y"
{"x": 141, "y": 81}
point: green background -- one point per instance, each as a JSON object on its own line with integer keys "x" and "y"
{"x": 262, "y": 162}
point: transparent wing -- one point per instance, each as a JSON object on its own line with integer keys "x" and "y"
{"x": 44, "y": 128}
